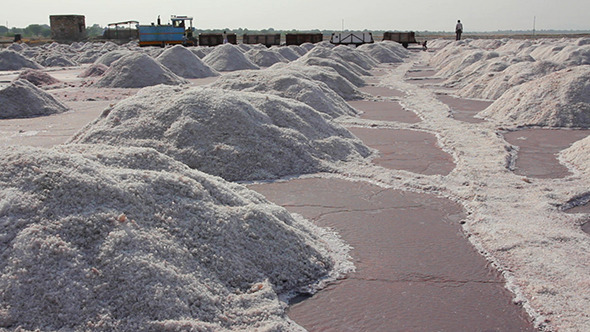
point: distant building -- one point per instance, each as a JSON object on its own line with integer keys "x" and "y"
{"x": 68, "y": 28}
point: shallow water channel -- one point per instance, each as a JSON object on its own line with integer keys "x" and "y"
{"x": 415, "y": 269}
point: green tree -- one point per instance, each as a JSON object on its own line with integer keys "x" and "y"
{"x": 94, "y": 31}
{"x": 3, "y": 30}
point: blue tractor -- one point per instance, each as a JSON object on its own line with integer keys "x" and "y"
{"x": 180, "y": 31}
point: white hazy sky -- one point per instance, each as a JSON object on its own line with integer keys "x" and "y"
{"x": 416, "y": 15}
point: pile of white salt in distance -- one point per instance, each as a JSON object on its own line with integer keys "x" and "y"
{"x": 107, "y": 238}
{"x": 239, "y": 136}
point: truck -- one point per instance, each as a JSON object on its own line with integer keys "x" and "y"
{"x": 180, "y": 31}
{"x": 351, "y": 38}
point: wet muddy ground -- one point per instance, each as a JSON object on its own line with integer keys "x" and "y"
{"x": 409, "y": 150}
{"x": 538, "y": 148}
{"x": 415, "y": 269}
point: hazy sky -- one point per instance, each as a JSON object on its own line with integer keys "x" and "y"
{"x": 417, "y": 15}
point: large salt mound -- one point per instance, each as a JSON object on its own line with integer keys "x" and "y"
{"x": 287, "y": 52}
{"x": 295, "y": 82}
{"x": 494, "y": 83}
{"x": 11, "y": 60}
{"x": 239, "y": 136}
{"x": 108, "y": 58}
{"x": 264, "y": 57}
{"x": 185, "y": 63}
{"x": 37, "y": 77}
{"x": 137, "y": 71}
{"x": 126, "y": 239}
{"x": 355, "y": 56}
{"x": 385, "y": 52}
{"x": 21, "y": 99}
{"x": 323, "y": 56}
{"x": 57, "y": 60}
{"x": 560, "y": 99}
{"x": 94, "y": 70}
{"x": 228, "y": 57}
{"x": 578, "y": 155}
{"x": 324, "y": 74}
{"x": 345, "y": 71}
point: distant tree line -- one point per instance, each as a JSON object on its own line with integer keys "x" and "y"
{"x": 43, "y": 31}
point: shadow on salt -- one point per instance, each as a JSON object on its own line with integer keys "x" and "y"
{"x": 415, "y": 269}
{"x": 409, "y": 150}
{"x": 538, "y": 148}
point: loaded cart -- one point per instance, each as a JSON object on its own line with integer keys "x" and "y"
{"x": 404, "y": 38}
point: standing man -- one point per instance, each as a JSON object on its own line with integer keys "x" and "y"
{"x": 458, "y": 30}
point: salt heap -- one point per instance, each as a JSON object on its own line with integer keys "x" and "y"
{"x": 355, "y": 56}
{"x": 295, "y": 82}
{"x": 37, "y": 77}
{"x": 96, "y": 69}
{"x": 56, "y": 60}
{"x": 11, "y": 60}
{"x": 493, "y": 82}
{"x": 287, "y": 52}
{"x": 228, "y": 57}
{"x": 111, "y": 238}
{"x": 345, "y": 70}
{"x": 185, "y": 63}
{"x": 385, "y": 51}
{"x": 21, "y": 99}
{"x": 239, "y": 136}
{"x": 137, "y": 71}
{"x": 108, "y": 58}
{"x": 264, "y": 57}
{"x": 578, "y": 155}
{"x": 560, "y": 99}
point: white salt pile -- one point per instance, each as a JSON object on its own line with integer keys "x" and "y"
{"x": 94, "y": 70}
{"x": 504, "y": 76}
{"x": 185, "y": 63}
{"x": 21, "y": 99}
{"x": 106, "y": 238}
{"x": 295, "y": 83}
{"x": 37, "y": 77}
{"x": 346, "y": 71}
{"x": 324, "y": 74}
{"x": 560, "y": 99}
{"x": 11, "y": 60}
{"x": 239, "y": 136}
{"x": 352, "y": 55}
{"x": 108, "y": 58}
{"x": 287, "y": 52}
{"x": 333, "y": 58}
{"x": 228, "y": 57}
{"x": 137, "y": 71}
{"x": 385, "y": 51}
{"x": 578, "y": 155}
{"x": 264, "y": 57}
{"x": 57, "y": 60}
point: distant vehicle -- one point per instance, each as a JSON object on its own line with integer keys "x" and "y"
{"x": 181, "y": 31}
{"x": 351, "y": 38}
{"x": 214, "y": 39}
{"x": 301, "y": 38}
{"x": 267, "y": 40}
{"x": 404, "y": 38}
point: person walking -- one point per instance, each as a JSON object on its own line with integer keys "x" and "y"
{"x": 458, "y": 30}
